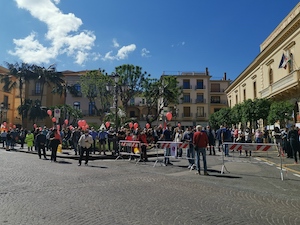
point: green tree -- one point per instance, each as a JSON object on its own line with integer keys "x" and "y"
{"x": 247, "y": 112}
{"x": 20, "y": 73}
{"x": 69, "y": 113}
{"x": 130, "y": 82}
{"x": 261, "y": 108}
{"x": 93, "y": 86}
{"x": 37, "y": 112}
{"x": 221, "y": 117}
{"x": 280, "y": 111}
{"x": 48, "y": 77}
{"x": 236, "y": 113}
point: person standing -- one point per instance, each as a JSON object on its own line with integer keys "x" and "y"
{"x": 102, "y": 136}
{"x": 55, "y": 140}
{"x": 75, "y": 137}
{"x": 200, "y": 141}
{"x": 110, "y": 138}
{"x": 188, "y": 138}
{"x": 85, "y": 142}
{"x": 22, "y": 137}
{"x": 211, "y": 140}
{"x": 29, "y": 139}
{"x": 293, "y": 138}
{"x": 94, "y": 135}
{"x": 40, "y": 141}
{"x": 167, "y": 136}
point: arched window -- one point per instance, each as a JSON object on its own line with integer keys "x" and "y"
{"x": 271, "y": 76}
{"x": 76, "y": 105}
{"x": 37, "y": 88}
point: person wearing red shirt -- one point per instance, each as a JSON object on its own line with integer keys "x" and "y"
{"x": 200, "y": 141}
{"x": 143, "y": 139}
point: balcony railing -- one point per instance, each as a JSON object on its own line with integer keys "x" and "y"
{"x": 280, "y": 85}
{"x": 185, "y": 115}
{"x": 35, "y": 92}
{"x": 186, "y": 101}
{"x": 203, "y": 100}
{"x": 199, "y": 87}
{"x": 186, "y": 87}
{"x": 200, "y": 115}
{"x": 219, "y": 102}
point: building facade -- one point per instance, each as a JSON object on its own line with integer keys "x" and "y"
{"x": 274, "y": 73}
{"x": 201, "y": 97}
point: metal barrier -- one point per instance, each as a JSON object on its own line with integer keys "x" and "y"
{"x": 132, "y": 148}
{"x": 173, "y": 146}
{"x": 251, "y": 147}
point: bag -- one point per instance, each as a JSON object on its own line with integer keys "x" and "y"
{"x": 59, "y": 148}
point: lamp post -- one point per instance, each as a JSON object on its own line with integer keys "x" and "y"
{"x": 116, "y": 79}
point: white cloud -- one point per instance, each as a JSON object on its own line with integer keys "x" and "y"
{"x": 145, "y": 53}
{"x": 115, "y": 43}
{"x": 122, "y": 53}
{"x": 62, "y": 35}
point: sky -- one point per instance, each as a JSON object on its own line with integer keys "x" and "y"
{"x": 160, "y": 36}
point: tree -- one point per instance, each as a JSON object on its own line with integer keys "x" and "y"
{"x": 248, "y": 112}
{"x": 68, "y": 112}
{"x": 48, "y": 77}
{"x": 221, "y": 117}
{"x": 236, "y": 113}
{"x": 280, "y": 111}
{"x": 21, "y": 73}
{"x": 130, "y": 82}
{"x": 93, "y": 86}
{"x": 37, "y": 112}
{"x": 261, "y": 108}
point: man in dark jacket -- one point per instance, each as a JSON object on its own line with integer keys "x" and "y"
{"x": 40, "y": 140}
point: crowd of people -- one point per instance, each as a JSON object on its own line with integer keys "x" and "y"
{"x": 200, "y": 140}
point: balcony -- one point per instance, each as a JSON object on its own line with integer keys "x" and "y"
{"x": 186, "y": 87}
{"x": 35, "y": 92}
{"x": 186, "y": 101}
{"x": 223, "y": 102}
{"x": 221, "y": 91}
{"x": 187, "y": 115}
{"x": 281, "y": 85}
{"x": 200, "y": 115}
{"x": 200, "y": 87}
{"x": 203, "y": 100}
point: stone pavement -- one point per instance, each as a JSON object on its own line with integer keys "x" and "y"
{"x": 35, "y": 192}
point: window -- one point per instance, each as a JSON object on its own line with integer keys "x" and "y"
{"x": 254, "y": 89}
{"x": 244, "y": 94}
{"x": 236, "y": 99}
{"x": 200, "y": 98}
{"x": 200, "y": 111}
{"x": 37, "y": 88}
{"x": 76, "y": 105}
{"x": 186, "y": 98}
{"x": 270, "y": 76}
{"x": 186, "y": 111}
{"x": 200, "y": 84}
{"x": 215, "y": 99}
{"x": 215, "y": 87}
{"x": 132, "y": 113}
{"x": 92, "y": 108}
{"x": 132, "y": 101}
{"x": 77, "y": 87}
{"x": 186, "y": 84}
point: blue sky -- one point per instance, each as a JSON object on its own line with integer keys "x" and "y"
{"x": 158, "y": 35}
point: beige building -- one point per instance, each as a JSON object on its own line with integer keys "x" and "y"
{"x": 264, "y": 77}
{"x": 201, "y": 97}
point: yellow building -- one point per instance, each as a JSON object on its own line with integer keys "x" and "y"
{"x": 9, "y": 102}
{"x": 274, "y": 73}
{"x": 201, "y": 97}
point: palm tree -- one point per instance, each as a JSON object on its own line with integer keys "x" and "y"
{"x": 47, "y": 77}
{"x": 22, "y": 73}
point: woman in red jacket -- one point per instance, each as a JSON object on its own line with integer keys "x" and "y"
{"x": 200, "y": 141}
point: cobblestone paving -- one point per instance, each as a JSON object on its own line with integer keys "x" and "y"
{"x": 34, "y": 191}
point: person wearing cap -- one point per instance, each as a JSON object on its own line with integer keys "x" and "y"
{"x": 85, "y": 142}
